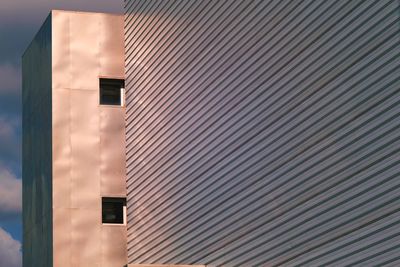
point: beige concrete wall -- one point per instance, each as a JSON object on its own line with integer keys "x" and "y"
{"x": 88, "y": 139}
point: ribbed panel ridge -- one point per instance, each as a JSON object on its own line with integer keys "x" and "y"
{"x": 263, "y": 133}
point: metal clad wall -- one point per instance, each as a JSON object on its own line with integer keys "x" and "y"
{"x": 88, "y": 139}
{"x": 37, "y": 151}
{"x": 263, "y": 133}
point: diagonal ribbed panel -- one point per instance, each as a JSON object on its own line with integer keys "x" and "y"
{"x": 263, "y": 133}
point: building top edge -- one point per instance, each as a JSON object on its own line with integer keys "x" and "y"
{"x": 85, "y": 12}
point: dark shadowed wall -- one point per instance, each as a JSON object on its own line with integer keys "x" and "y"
{"x": 263, "y": 133}
{"x": 37, "y": 150}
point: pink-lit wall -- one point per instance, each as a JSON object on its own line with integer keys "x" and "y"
{"x": 88, "y": 139}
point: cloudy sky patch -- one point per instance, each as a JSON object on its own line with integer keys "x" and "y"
{"x": 11, "y": 194}
{"x": 10, "y": 77}
{"x": 10, "y": 250}
{"x": 10, "y": 142}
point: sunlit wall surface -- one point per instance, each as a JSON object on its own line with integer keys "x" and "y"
{"x": 263, "y": 133}
{"x": 73, "y": 146}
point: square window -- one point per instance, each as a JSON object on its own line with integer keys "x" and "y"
{"x": 111, "y": 91}
{"x": 113, "y": 210}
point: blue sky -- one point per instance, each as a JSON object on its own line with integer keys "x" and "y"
{"x": 19, "y": 21}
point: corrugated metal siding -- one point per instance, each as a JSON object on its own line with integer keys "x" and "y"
{"x": 263, "y": 133}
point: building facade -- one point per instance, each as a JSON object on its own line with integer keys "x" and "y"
{"x": 263, "y": 133}
{"x": 73, "y": 143}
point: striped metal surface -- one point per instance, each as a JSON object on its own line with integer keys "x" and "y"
{"x": 263, "y": 133}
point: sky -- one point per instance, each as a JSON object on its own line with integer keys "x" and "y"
{"x": 19, "y": 21}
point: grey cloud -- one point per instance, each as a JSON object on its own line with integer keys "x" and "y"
{"x": 10, "y": 140}
{"x": 10, "y": 250}
{"x": 10, "y": 77}
{"x": 11, "y": 194}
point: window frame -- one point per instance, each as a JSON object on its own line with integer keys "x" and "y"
{"x": 108, "y": 81}
{"x": 111, "y": 199}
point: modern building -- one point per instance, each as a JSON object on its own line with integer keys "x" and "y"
{"x": 73, "y": 143}
{"x": 257, "y": 133}
{"x": 263, "y": 133}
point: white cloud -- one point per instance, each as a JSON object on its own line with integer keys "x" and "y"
{"x": 10, "y": 143}
{"x": 10, "y": 192}
{"x": 10, "y": 250}
{"x": 10, "y": 78}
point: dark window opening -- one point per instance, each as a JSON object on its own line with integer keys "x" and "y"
{"x": 111, "y": 91}
{"x": 113, "y": 210}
